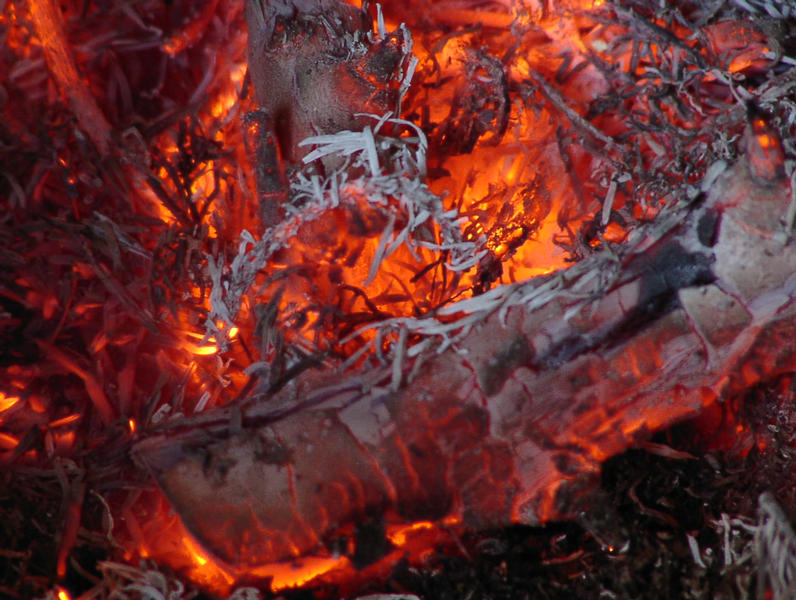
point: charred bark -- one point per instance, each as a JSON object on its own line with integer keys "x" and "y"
{"x": 511, "y": 423}
{"x": 314, "y": 67}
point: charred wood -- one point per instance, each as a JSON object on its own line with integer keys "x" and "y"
{"x": 314, "y": 66}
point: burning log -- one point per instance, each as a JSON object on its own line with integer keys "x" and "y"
{"x": 511, "y": 423}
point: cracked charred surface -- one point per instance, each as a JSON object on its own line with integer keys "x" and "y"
{"x": 511, "y": 424}
{"x": 314, "y": 66}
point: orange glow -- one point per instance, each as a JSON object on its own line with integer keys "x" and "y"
{"x": 7, "y": 441}
{"x": 766, "y": 141}
{"x": 36, "y": 404}
{"x": 221, "y": 107}
{"x": 399, "y": 536}
{"x": 233, "y": 331}
{"x": 614, "y": 233}
{"x": 65, "y": 440}
{"x": 7, "y": 402}
{"x": 177, "y": 547}
{"x": 198, "y": 555}
{"x": 520, "y": 192}
{"x": 204, "y": 350}
{"x": 299, "y": 572}
{"x": 740, "y": 63}
{"x": 65, "y": 421}
{"x": 511, "y": 190}
{"x": 158, "y": 534}
{"x": 62, "y": 594}
{"x": 49, "y": 27}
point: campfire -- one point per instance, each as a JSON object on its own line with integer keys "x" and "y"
{"x": 452, "y": 299}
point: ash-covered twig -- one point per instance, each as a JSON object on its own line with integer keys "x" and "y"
{"x": 393, "y": 186}
{"x": 578, "y": 121}
{"x": 775, "y": 551}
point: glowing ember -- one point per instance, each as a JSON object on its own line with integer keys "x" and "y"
{"x": 6, "y": 402}
{"x": 298, "y": 573}
{"x": 7, "y": 441}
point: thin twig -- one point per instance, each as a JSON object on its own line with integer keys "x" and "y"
{"x": 577, "y": 121}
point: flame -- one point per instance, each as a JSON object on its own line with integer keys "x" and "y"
{"x": 299, "y": 572}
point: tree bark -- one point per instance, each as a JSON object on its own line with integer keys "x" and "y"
{"x": 511, "y": 423}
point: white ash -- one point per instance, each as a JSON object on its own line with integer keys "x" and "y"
{"x": 765, "y": 548}
{"x": 778, "y": 9}
{"x": 394, "y": 180}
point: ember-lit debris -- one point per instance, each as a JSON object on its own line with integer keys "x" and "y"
{"x": 510, "y": 427}
{"x": 656, "y": 504}
{"x": 126, "y": 193}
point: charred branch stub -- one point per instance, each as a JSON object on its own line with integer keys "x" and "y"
{"x": 315, "y": 67}
{"x": 272, "y": 316}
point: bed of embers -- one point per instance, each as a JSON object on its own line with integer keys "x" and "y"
{"x": 187, "y": 284}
